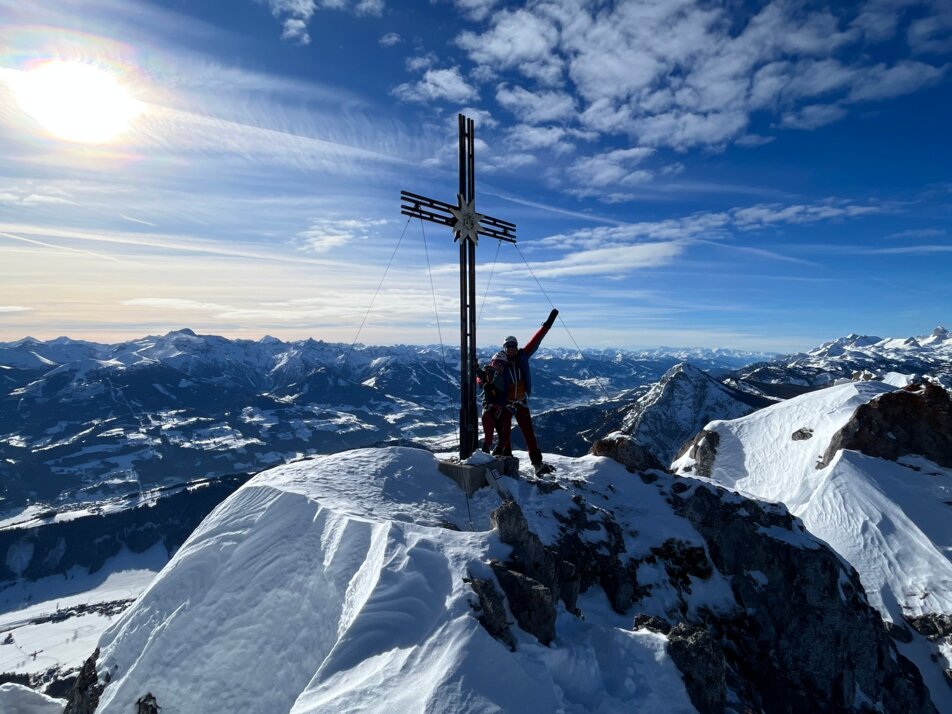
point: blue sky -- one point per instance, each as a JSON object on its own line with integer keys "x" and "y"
{"x": 760, "y": 176}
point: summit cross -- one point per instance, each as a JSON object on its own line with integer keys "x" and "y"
{"x": 467, "y": 226}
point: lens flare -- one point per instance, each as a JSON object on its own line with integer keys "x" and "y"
{"x": 76, "y": 101}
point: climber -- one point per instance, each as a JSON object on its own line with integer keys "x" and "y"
{"x": 496, "y": 416}
{"x": 518, "y": 384}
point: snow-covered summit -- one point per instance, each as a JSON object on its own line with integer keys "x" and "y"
{"x": 339, "y": 584}
{"x": 364, "y": 581}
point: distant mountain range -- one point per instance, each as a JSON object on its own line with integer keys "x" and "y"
{"x": 82, "y": 422}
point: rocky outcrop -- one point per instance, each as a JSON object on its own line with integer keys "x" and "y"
{"x": 800, "y": 637}
{"x": 625, "y": 450}
{"x": 804, "y": 637}
{"x": 86, "y": 692}
{"x": 698, "y": 654}
{"x": 492, "y": 611}
{"x": 913, "y": 420}
{"x": 702, "y": 449}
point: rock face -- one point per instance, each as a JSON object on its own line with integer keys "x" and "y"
{"x": 86, "y": 692}
{"x": 799, "y": 635}
{"x": 914, "y": 420}
{"x": 625, "y": 450}
{"x": 679, "y": 405}
{"x": 804, "y": 632}
{"x": 703, "y": 449}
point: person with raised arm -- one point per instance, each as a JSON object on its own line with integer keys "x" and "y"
{"x": 518, "y": 385}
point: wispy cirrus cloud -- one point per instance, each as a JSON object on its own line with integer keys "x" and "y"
{"x": 14, "y": 308}
{"x": 326, "y": 235}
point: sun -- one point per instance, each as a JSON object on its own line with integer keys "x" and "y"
{"x": 76, "y": 101}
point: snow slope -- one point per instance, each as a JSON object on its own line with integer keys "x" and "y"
{"x": 889, "y": 520}
{"x": 331, "y": 585}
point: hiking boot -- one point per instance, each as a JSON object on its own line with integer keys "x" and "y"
{"x": 542, "y": 469}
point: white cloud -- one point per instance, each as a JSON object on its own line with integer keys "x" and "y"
{"x": 390, "y": 39}
{"x": 295, "y": 30}
{"x": 175, "y": 304}
{"x": 295, "y": 15}
{"x": 13, "y": 308}
{"x": 475, "y": 9}
{"x": 536, "y": 107}
{"x": 683, "y": 74}
{"x": 614, "y": 260}
{"x": 611, "y": 169}
{"x": 437, "y": 84}
{"x": 519, "y": 39}
{"x": 529, "y": 138}
{"x": 326, "y": 235}
{"x": 906, "y": 77}
{"x": 812, "y": 116}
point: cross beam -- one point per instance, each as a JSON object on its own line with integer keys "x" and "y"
{"x": 467, "y": 226}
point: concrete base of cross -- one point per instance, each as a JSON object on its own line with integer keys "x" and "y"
{"x": 472, "y": 477}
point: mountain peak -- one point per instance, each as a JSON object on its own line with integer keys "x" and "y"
{"x": 940, "y": 332}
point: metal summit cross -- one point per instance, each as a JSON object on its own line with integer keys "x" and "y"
{"x": 467, "y": 226}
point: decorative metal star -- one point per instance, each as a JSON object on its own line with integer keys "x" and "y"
{"x": 467, "y": 220}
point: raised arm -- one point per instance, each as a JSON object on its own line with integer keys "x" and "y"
{"x": 533, "y": 344}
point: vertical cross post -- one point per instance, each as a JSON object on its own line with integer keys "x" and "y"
{"x": 467, "y": 225}
{"x": 467, "y": 295}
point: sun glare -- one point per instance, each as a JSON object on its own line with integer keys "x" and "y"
{"x": 76, "y": 101}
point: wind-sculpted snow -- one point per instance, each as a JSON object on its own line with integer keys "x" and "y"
{"x": 338, "y": 584}
{"x": 890, "y": 520}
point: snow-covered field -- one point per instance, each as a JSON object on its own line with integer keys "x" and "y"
{"x": 55, "y": 623}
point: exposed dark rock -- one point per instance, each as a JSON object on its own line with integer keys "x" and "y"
{"x": 530, "y": 602}
{"x": 15, "y": 678}
{"x": 85, "y": 695}
{"x": 914, "y": 420}
{"x": 898, "y": 632}
{"x": 682, "y": 561}
{"x": 699, "y": 656}
{"x": 61, "y": 687}
{"x": 650, "y": 622}
{"x": 802, "y": 637}
{"x": 492, "y": 611}
{"x": 805, "y": 636}
{"x": 703, "y": 449}
{"x": 532, "y": 566}
{"x": 933, "y": 625}
{"x": 625, "y": 450}
{"x": 802, "y": 434}
{"x": 147, "y": 704}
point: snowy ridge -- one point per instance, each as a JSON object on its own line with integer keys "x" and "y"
{"x": 334, "y": 578}
{"x": 889, "y": 520}
{"x": 926, "y": 355}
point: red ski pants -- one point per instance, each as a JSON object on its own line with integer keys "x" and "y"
{"x": 499, "y": 418}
